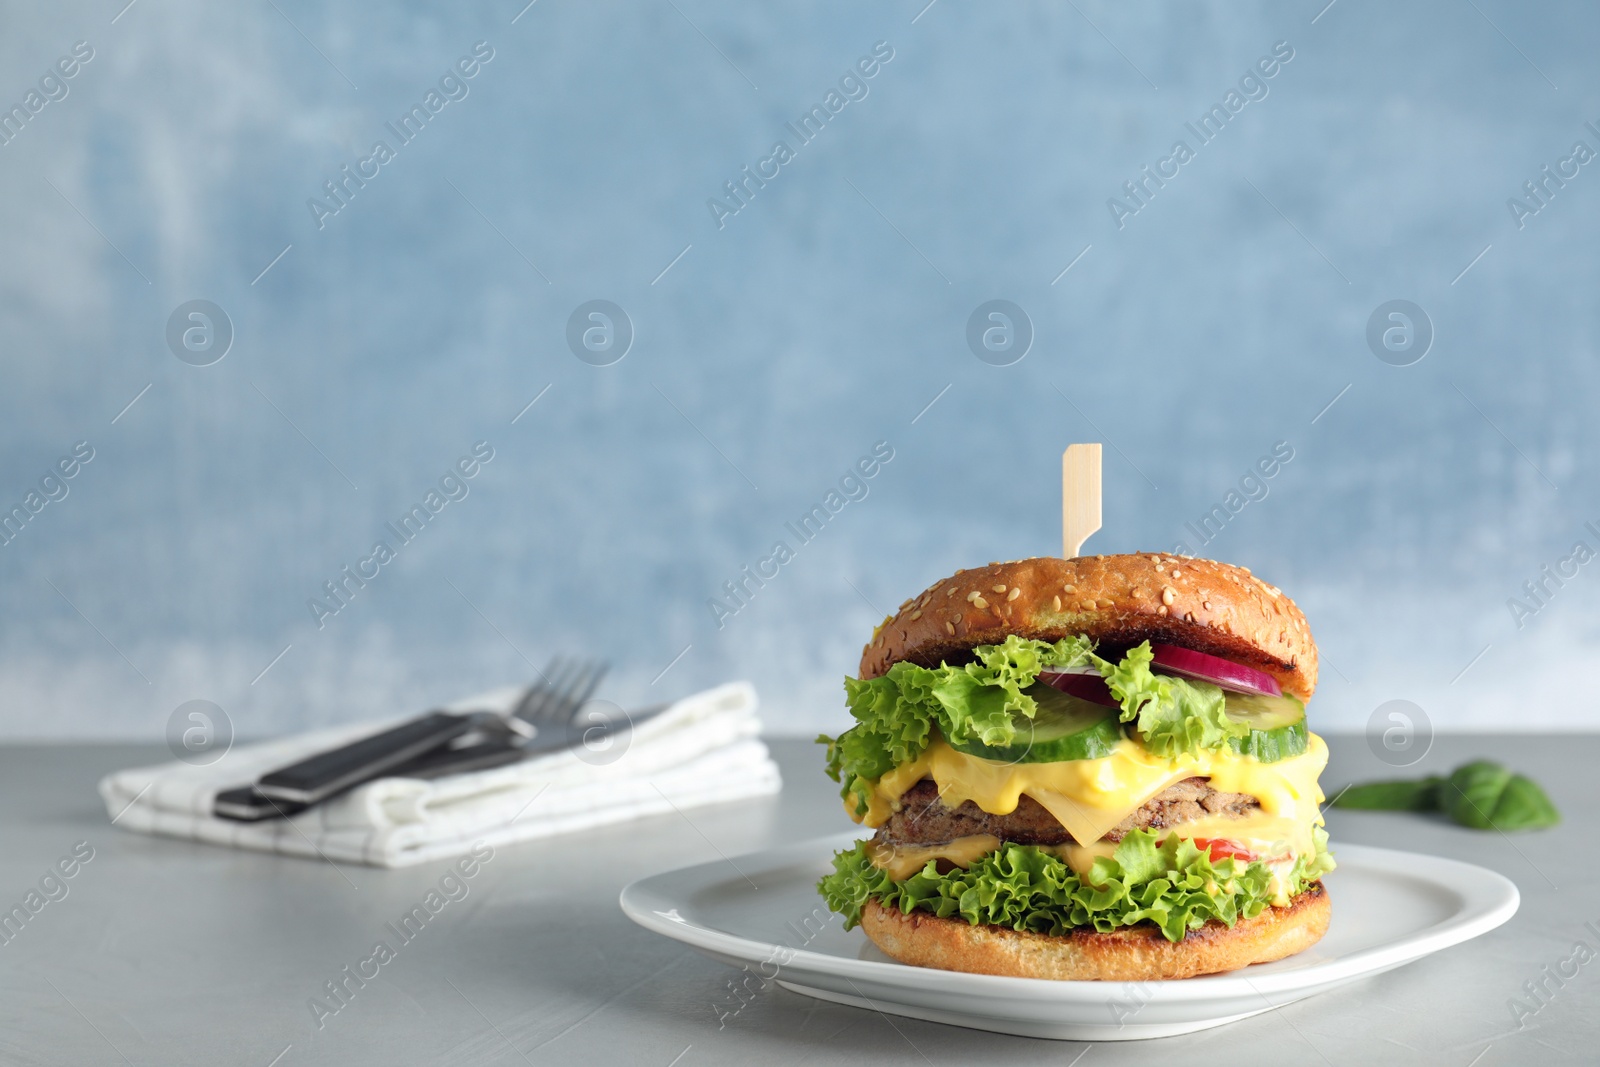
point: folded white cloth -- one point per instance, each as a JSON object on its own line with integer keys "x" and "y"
{"x": 704, "y": 749}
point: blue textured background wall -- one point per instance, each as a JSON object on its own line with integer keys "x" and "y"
{"x": 773, "y": 351}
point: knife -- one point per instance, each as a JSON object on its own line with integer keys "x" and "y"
{"x": 498, "y": 752}
{"x": 430, "y": 746}
{"x": 292, "y": 789}
{"x": 315, "y": 779}
{"x": 245, "y": 804}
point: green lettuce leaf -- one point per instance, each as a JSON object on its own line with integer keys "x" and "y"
{"x": 1172, "y": 884}
{"x": 896, "y": 714}
{"x": 1174, "y": 715}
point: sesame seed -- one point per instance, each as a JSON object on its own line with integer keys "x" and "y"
{"x": 1168, "y": 595}
{"x": 1055, "y": 603}
{"x": 1188, "y": 616}
{"x": 915, "y": 615}
{"x": 1204, "y": 603}
{"x": 1107, "y": 602}
{"x": 1000, "y": 588}
{"x": 1014, "y": 593}
{"x": 1162, "y": 610}
{"x": 973, "y": 597}
{"x": 1086, "y": 605}
{"x": 1155, "y": 559}
{"x": 950, "y": 628}
{"x": 1069, "y": 589}
{"x": 951, "y": 591}
{"x": 1175, "y": 572}
{"x": 978, "y": 602}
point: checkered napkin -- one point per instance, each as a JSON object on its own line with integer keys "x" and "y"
{"x": 704, "y": 749}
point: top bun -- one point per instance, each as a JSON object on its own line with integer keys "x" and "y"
{"x": 1116, "y": 601}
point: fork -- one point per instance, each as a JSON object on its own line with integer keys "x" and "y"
{"x": 548, "y": 709}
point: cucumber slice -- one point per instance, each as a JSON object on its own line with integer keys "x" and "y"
{"x": 1277, "y": 726}
{"x": 1065, "y": 727}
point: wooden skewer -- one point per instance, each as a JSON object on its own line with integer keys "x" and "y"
{"x": 1080, "y": 496}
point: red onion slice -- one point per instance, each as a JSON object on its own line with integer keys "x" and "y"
{"x": 1219, "y": 672}
{"x": 1090, "y": 687}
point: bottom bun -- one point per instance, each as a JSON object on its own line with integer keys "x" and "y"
{"x": 1132, "y": 954}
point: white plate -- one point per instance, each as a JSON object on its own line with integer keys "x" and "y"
{"x": 762, "y": 912}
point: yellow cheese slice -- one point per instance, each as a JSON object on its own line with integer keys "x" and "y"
{"x": 902, "y": 861}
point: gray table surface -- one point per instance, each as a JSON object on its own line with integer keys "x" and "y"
{"x": 166, "y": 952}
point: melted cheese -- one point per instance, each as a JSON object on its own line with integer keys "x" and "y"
{"x": 1081, "y": 857}
{"x": 1090, "y": 797}
{"x": 1268, "y": 836}
{"x": 902, "y": 861}
{"x": 1279, "y": 886}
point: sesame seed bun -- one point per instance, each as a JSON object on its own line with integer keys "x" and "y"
{"x": 1117, "y": 601}
{"x": 1133, "y": 954}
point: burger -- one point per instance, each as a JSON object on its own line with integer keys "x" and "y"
{"x": 1089, "y": 768}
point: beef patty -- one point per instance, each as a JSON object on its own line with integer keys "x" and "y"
{"x": 923, "y": 819}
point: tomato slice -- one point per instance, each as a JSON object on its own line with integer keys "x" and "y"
{"x": 1218, "y": 848}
